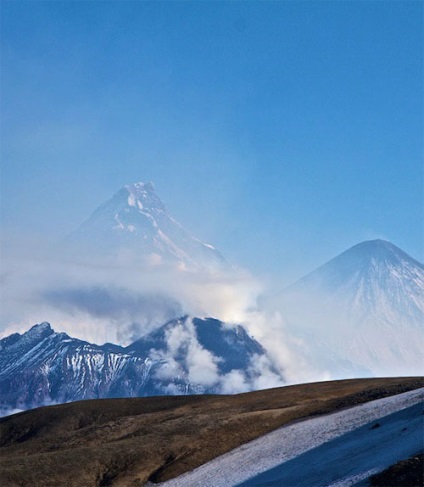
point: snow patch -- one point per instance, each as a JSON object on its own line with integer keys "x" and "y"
{"x": 289, "y": 442}
{"x": 131, "y": 200}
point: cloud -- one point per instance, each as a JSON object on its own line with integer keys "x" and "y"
{"x": 9, "y": 411}
{"x": 116, "y": 301}
{"x": 234, "y": 382}
{"x": 120, "y": 301}
{"x": 135, "y": 312}
{"x": 113, "y": 303}
{"x": 202, "y": 365}
{"x": 199, "y": 365}
{"x": 184, "y": 356}
{"x": 287, "y": 355}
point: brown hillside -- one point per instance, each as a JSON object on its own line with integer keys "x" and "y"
{"x": 126, "y": 442}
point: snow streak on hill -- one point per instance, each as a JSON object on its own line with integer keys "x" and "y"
{"x": 355, "y": 443}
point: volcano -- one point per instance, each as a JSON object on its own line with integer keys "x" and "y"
{"x": 361, "y": 313}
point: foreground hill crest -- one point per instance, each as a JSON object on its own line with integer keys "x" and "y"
{"x": 141, "y": 440}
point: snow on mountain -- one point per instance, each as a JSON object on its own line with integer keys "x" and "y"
{"x": 184, "y": 356}
{"x": 362, "y": 313}
{"x": 42, "y": 366}
{"x": 135, "y": 223}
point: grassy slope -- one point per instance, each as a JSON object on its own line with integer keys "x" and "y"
{"x": 130, "y": 441}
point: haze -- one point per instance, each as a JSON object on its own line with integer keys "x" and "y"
{"x": 280, "y": 132}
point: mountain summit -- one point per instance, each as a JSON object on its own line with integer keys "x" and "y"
{"x": 373, "y": 277}
{"x": 362, "y": 310}
{"x": 136, "y": 223}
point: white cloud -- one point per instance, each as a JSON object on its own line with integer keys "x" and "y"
{"x": 122, "y": 301}
{"x": 234, "y": 382}
{"x": 114, "y": 301}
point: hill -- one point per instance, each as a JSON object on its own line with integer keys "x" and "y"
{"x": 133, "y": 441}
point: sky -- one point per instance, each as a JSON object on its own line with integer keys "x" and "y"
{"x": 280, "y": 132}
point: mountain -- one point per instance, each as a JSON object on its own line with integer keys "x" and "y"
{"x": 362, "y": 312}
{"x": 135, "y": 223}
{"x": 42, "y": 367}
{"x": 184, "y": 356}
{"x": 232, "y": 344}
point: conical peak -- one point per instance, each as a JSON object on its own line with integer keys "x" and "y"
{"x": 372, "y": 258}
{"x": 375, "y": 245}
{"x": 377, "y": 249}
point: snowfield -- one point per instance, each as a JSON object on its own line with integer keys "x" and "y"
{"x": 338, "y": 450}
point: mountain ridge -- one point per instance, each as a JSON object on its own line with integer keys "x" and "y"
{"x": 183, "y": 356}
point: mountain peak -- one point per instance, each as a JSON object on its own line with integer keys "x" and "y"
{"x": 41, "y": 328}
{"x": 39, "y": 332}
{"x": 140, "y": 186}
{"x": 141, "y": 196}
{"x": 136, "y": 222}
{"x": 376, "y": 251}
{"x": 377, "y": 242}
{"x": 365, "y": 307}
{"x": 377, "y": 245}
{"x": 140, "y": 189}
{"x": 372, "y": 260}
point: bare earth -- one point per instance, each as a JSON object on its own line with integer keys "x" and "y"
{"x": 127, "y": 442}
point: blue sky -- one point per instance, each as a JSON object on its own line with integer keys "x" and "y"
{"x": 280, "y": 132}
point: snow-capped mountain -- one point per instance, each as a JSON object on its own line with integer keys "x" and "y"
{"x": 362, "y": 312}
{"x": 42, "y": 367}
{"x": 184, "y": 356}
{"x": 135, "y": 223}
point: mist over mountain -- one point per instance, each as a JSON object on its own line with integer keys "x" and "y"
{"x": 131, "y": 267}
{"x": 362, "y": 312}
{"x": 128, "y": 268}
{"x": 135, "y": 224}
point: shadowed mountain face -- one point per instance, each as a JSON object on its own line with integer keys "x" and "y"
{"x": 184, "y": 356}
{"x": 232, "y": 345}
{"x": 362, "y": 312}
{"x": 134, "y": 224}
